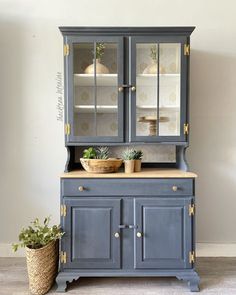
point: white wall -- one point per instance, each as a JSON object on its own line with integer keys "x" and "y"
{"x": 32, "y": 142}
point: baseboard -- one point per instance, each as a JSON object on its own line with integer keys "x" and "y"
{"x": 6, "y": 251}
{"x": 216, "y": 250}
{"x": 203, "y": 250}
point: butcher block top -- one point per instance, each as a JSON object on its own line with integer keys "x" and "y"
{"x": 145, "y": 173}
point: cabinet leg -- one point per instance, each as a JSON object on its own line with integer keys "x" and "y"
{"x": 193, "y": 285}
{"x": 192, "y": 279}
{"x": 63, "y": 279}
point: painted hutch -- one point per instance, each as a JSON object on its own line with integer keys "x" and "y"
{"x": 128, "y": 86}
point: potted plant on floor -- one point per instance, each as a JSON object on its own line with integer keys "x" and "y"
{"x": 41, "y": 243}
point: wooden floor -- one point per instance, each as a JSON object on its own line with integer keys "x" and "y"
{"x": 218, "y": 276}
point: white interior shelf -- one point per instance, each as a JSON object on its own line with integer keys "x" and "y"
{"x": 113, "y": 108}
{"x": 101, "y": 80}
{"x": 99, "y": 108}
{"x": 112, "y": 79}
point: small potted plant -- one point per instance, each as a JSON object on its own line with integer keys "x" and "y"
{"x": 128, "y": 156}
{"x": 41, "y": 243}
{"x": 100, "y": 68}
{"x": 137, "y": 160}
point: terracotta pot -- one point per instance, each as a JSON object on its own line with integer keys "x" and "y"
{"x": 137, "y": 165}
{"x": 42, "y": 266}
{"x": 100, "y": 68}
{"x": 129, "y": 166}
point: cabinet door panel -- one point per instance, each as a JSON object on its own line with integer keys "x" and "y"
{"x": 94, "y": 104}
{"x": 90, "y": 226}
{"x": 159, "y": 73}
{"x": 166, "y": 231}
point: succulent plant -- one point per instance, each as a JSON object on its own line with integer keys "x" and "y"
{"x": 89, "y": 153}
{"x": 128, "y": 154}
{"x": 138, "y": 154}
{"x": 102, "y": 152}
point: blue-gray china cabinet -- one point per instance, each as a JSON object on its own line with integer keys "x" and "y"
{"x": 127, "y": 86}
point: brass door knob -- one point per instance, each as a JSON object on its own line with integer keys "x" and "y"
{"x": 133, "y": 88}
{"x": 139, "y": 235}
{"x": 117, "y": 235}
{"x": 174, "y": 188}
{"x": 81, "y": 188}
{"x": 120, "y": 89}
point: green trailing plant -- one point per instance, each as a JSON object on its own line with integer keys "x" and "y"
{"x": 138, "y": 155}
{"x": 38, "y": 235}
{"x": 102, "y": 152}
{"x": 128, "y": 154}
{"x": 90, "y": 153}
{"x": 100, "y": 48}
{"x": 153, "y": 53}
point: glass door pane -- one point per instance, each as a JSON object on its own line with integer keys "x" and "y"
{"x": 169, "y": 88}
{"x": 84, "y": 90}
{"x": 158, "y": 85}
{"x": 147, "y": 89}
{"x": 107, "y": 94}
{"x": 95, "y": 71}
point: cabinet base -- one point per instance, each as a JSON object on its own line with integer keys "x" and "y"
{"x": 63, "y": 278}
{"x": 190, "y": 276}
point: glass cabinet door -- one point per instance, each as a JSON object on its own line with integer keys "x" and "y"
{"x": 158, "y": 104}
{"x": 95, "y": 106}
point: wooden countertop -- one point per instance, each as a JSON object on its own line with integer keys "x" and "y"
{"x": 145, "y": 173}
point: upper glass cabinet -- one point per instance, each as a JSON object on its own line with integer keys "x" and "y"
{"x": 96, "y": 106}
{"x": 158, "y": 109}
{"x": 126, "y": 89}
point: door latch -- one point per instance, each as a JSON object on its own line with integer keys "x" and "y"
{"x": 129, "y": 226}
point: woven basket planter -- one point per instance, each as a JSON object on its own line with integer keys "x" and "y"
{"x": 42, "y": 265}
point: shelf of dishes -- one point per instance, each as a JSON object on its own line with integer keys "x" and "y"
{"x": 113, "y": 108}
{"x": 112, "y": 79}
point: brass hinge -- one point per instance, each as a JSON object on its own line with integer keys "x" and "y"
{"x": 66, "y": 49}
{"x": 191, "y": 209}
{"x": 191, "y": 257}
{"x": 63, "y": 210}
{"x": 186, "y": 128}
{"x": 186, "y": 49}
{"x": 63, "y": 257}
{"x": 67, "y": 129}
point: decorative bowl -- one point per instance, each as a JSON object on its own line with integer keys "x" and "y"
{"x": 101, "y": 166}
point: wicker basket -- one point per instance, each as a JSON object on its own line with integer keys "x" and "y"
{"x": 101, "y": 166}
{"x": 42, "y": 265}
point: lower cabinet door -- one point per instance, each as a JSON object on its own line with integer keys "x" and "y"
{"x": 90, "y": 226}
{"x": 163, "y": 237}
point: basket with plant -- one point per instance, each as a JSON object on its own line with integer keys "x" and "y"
{"x": 41, "y": 243}
{"x": 96, "y": 160}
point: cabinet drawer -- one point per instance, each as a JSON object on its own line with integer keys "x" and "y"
{"x": 127, "y": 187}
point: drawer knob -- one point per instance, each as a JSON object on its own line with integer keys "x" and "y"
{"x": 133, "y": 88}
{"x": 117, "y": 235}
{"x": 174, "y": 188}
{"x": 120, "y": 89}
{"x": 139, "y": 235}
{"x": 81, "y": 188}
